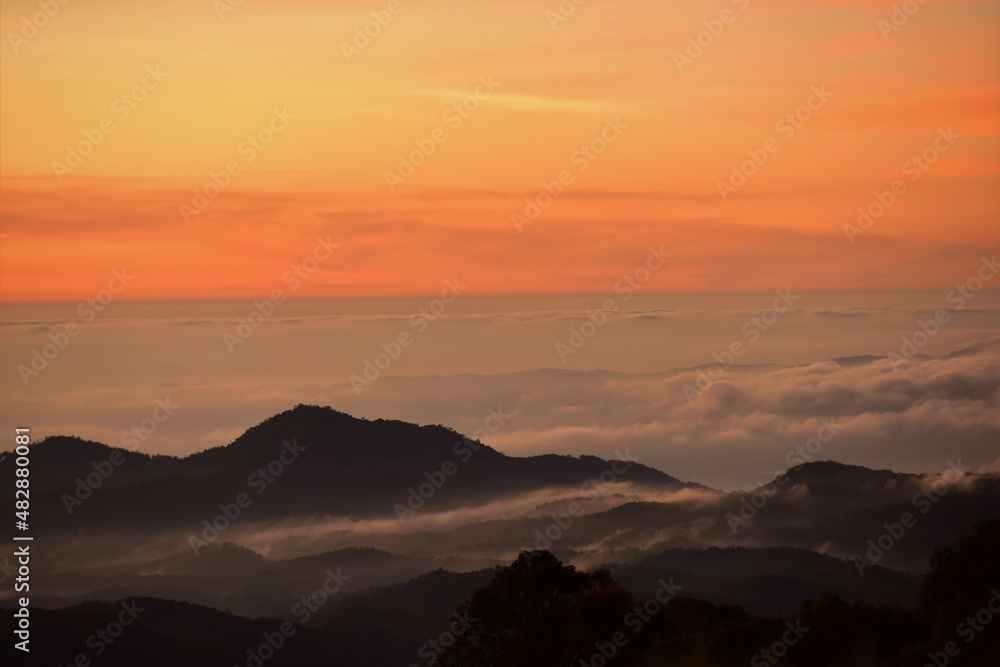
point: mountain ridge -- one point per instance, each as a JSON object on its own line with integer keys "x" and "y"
{"x": 288, "y": 425}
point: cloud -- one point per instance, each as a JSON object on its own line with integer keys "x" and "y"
{"x": 737, "y": 433}
{"x": 243, "y": 244}
{"x": 624, "y": 387}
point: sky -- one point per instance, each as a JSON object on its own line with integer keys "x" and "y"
{"x": 164, "y": 97}
{"x": 239, "y": 206}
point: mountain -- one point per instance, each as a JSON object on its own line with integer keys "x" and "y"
{"x": 255, "y": 525}
{"x": 415, "y": 610}
{"x": 329, "y": 463}
{"x": 164, "y": 633}
{"x": 765, "y": 580}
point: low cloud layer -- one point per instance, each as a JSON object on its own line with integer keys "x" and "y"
{"x": 824, "y": 359}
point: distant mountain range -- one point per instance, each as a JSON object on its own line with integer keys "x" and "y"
{"x": 112, "y": 524}
{"x": 343, "y": 466}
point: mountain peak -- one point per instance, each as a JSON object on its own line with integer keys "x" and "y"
{"x": 336, "y": 438}
{"x": 832, "y": 468}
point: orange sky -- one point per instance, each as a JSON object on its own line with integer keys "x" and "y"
{"x": 347, "y": 123}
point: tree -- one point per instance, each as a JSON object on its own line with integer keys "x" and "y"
{"x": 538, "y": 611}
{"x": 962, "y": 580}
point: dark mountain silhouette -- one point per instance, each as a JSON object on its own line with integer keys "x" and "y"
{"x": 224, "y": 559}
{"x": 831, "y": 475}
{"x": 688, "y": 632}
{"x": 766, "y": 580}
{"x": 415, "y": 610}
{"x": 164, "y": 633}
{"x": 357, "y": 471}
{"x": 329, "y": 509}
{"x": 227, "y": 576}
{"x": 346, "y": 467}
